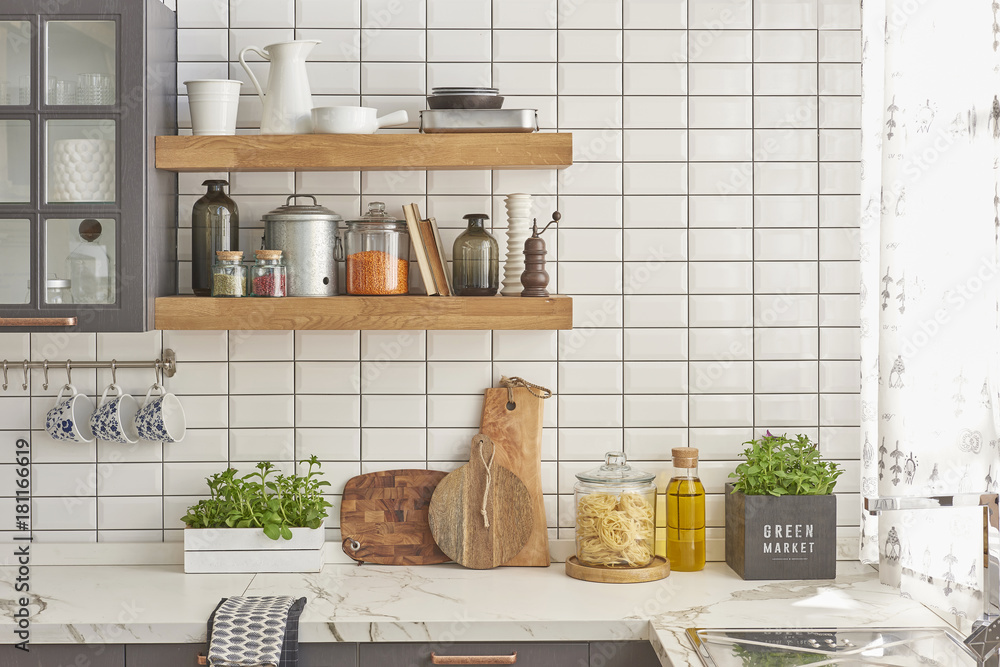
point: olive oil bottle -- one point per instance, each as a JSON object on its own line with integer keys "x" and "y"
{"x": 685, "y": 513}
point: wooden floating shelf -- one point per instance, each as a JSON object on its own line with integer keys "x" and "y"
{"x": 364, "y": 312}
{"x": 365, "y": 152}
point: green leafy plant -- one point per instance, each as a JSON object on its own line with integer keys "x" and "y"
{"x": 777, "y": 465}
{"x": 257, "y": 500}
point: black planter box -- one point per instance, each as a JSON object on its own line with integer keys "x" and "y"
{"x": 786, "y": 537}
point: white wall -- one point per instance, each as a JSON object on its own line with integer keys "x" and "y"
{"x": 707, "y": 238}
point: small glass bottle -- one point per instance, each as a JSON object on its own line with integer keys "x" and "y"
{"x": 267, "y": 276}
{"x": 215, "y": 225}
{"x": 476, "y": 259}
{"x": 686, "y": 513}
{"x": 229, "y": 276}
{"x": 57, "y": 290}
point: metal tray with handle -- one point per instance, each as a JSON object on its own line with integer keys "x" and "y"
{"x": 434, "y": 121}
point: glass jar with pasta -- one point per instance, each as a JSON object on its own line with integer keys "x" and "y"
{"x": 614, "y": 515}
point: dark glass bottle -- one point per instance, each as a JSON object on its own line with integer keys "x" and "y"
{"x": 215, "y": 226}
{"x": 476, "y": 260}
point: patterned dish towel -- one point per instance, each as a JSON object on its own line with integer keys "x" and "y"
{"x": 255, "y": 632}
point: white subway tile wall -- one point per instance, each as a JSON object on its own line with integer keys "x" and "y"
{"x": 708, "y": 239}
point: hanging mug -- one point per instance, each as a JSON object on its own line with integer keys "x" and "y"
{"x": 161, "y": 418}
{"x": 69, "y": 420}
{"x": 114, "y": 419}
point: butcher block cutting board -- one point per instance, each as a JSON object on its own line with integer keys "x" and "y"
{"x": 481, "y": 514}
{"x": 517, "y": 432}
{"x": 383, "y": 518}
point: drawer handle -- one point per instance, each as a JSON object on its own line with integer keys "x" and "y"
{"x": 202, "y": 659}
{"x": 474, "y": 659}
{"x": 37, "y": 321}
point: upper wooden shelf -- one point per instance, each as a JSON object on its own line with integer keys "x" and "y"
{"x": 365, "y": 152}
{"x": 364, "y": 312}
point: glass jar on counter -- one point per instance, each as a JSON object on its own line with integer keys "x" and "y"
{"x": 614, "y": 515}
{"x": 229, "y": 276}
{"x": 377, "y": 253}
{"x": 267, "y": 276}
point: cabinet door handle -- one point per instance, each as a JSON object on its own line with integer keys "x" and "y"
{"x": 474, "y": 659}
{"x": 37, "y": 321}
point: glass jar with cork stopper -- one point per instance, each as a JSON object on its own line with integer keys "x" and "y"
{"x": 685, "y": 513}
{"x": 267, "y": 276}
{"x": 229, "y": 276}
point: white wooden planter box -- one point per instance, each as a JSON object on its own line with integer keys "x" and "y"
{"x": 221, "y": 550}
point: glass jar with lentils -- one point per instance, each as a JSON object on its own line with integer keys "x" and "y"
{"x": 267, "y": 276}
{"x": 229, "y": 276}
{"x": 377, "y": 253}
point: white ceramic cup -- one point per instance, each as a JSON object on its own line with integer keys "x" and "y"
{"x": 214, "y": 103}
{"x": 353, "y": 120}
{"x": 114, "y": 419}
{"x": 161, "y": 418}
{"x": 69, "y": 420}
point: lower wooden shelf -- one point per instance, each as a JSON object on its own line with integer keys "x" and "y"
{"x": 364, "y": 312}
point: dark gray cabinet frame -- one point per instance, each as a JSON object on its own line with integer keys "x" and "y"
{"x": 146, "y": 207}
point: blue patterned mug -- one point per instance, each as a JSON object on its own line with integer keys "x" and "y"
{"x": 161, "y": 418}
{"x": 114, "y": 419}
{"x": 68, "y": 421}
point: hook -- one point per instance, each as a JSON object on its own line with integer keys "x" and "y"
{"x": 5, "y": 375}
{"x": 69, "y": 372}
{"x": 158, "y": 374}
{"x": 114, "y": 374}
{"x": 24, "y": 367}
{"x": 45, "y": 374}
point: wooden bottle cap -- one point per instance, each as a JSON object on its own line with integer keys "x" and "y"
{"x": 229, "y": 254}
{"x": 685, "y": 457}
{"x": 267, "y": 254}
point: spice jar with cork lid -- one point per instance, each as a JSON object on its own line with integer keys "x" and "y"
{"x": 686, "y": 513}
{"x": 267, "y": 276}
{"x": 614, "y": 515}
{"x": 229, "y": 276}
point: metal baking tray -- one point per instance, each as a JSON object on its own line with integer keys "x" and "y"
{"x": 478, "y": 120}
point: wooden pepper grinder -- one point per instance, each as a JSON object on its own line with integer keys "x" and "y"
{"x": 535, "y": 279}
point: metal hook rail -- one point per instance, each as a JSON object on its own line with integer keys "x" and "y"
{"x": 165, "y": 366}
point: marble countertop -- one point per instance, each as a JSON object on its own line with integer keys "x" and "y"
{"x": 448, "y": 603}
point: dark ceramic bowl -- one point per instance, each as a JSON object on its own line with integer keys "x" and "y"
{"x": 464, "y": 101}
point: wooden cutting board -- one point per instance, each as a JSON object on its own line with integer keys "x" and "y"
{"x": 456, "y": 515}
{"x": 383, "y": 517}
{"x": 517, "y": 434}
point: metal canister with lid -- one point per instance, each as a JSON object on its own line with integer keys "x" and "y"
{"x": 614, "y": 515}
{"x": 377, "y": 250}
{"x": 307, "y": 237}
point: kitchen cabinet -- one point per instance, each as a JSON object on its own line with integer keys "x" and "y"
{"x": 179, "y": 655}
{"x": 87, "y": 222}
{"x": 70, "y": 655}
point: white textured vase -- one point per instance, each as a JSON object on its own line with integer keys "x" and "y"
{"x": 83, "y": 170}
{"x": 518, "y": 230}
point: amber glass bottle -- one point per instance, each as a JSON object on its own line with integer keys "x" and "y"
{"x": 686, "y": 513}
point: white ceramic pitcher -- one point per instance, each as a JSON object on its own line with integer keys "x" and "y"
{"x": 288, "y": 100}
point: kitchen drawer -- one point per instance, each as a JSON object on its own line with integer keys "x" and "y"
{"x": 64, "y": 655}
{"x": 623, "y": 654}
{"x": 181, "y": 655}
{"x": 534, "y": 654}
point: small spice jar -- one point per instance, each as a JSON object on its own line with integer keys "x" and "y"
{"x": 267, "y": 276}
{"x": 57, "y": 290}
{"x": 229, "y": 276}
{"x": 377, "y": 253}
{"x": 614, "y": 515}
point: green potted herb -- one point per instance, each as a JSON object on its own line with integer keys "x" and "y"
{"x": 781, "y": 516}
{"x": 260, "y": 522}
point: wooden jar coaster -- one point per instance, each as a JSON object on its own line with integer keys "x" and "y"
{"x": 658, "y": 568}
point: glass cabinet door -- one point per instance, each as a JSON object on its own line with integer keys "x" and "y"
{"x": 80, "y": 57}
{"x": 80, "y": 260}
{"x": 15, "y": 63}
{"x": 15, "y": 261}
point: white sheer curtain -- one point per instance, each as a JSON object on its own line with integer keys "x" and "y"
{"x": 929, "y": 337}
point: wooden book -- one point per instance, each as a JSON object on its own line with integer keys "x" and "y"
{"x": 435, "y": 257}
{"x": 412, "y": 215}
{"x": 436, "y": 236}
